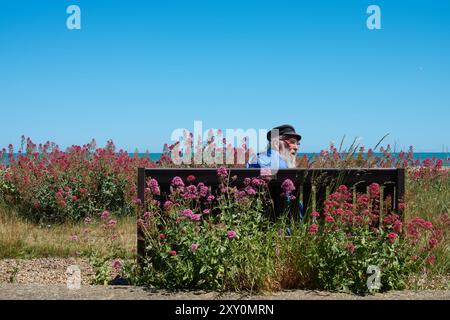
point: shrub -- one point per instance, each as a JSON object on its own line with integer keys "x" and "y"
{"x": 45, "y": 184}
{"x": 206, "y": 241}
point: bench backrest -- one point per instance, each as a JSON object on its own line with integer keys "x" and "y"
{"x": 312, "y": 185}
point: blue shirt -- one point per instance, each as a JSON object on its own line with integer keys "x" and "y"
{"x": 268, "y": 159}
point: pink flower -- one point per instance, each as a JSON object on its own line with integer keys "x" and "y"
{"x": 173, "y": 253}
{"x": 432, "y": 243}
{"x": 194, "y": 246}
{"x": 177, "y": 182}
{"x": 315, "y": 214}
{"x": 87, "y": 221}
{"x": 392, "y": 237}
{"x": 190, "y": 179}
{"x": 313, "y": 229}
{"x": 187, "y": 213}
{"x": 162, "y": 236}
{"x": 168, "y": 204}
{"x": 146, "y": 215}
{"x": 74, "y": 238}
{"x": 397, "y": 227}
{"x": 222, "y": 172}
{"x": 196, "y": 217}
{"x": 112, "y": 223}
{"x": 350, "y": 247}
{"x": 256, "y": 182}
{"x": 191, "y": 192}
{"x": 202, "y": 190}
{"x": 206, "y": 211}
{"x": 329, "y": 218}
{"x": 211, "y": 198}
{"x": 105, "y": 215}
{"x": 154, "y": 187}
{"x": 431, "y": 260}
{"x": 117, "y": 264}
{"x": 231, "y": 234}
{"x": 288, "y": 186}
{"x": 250, "y": 191}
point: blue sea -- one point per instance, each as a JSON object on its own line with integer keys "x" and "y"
{"x": 419, "y": 155}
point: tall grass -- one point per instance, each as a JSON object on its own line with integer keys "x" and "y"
{"x": 428, "y": 197}
{"x": 25, "y": 240}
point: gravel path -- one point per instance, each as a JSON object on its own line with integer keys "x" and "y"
{"x": 42, "y": 271}
{"x": 60, "y": 292}
{"x": 45, "y": 279}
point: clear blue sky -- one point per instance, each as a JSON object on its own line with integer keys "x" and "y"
{"x": 139, "y": 69}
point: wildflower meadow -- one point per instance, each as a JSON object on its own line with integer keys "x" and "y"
{"x": 197, "y": 238}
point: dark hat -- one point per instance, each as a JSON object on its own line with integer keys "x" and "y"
{"x": 283, "y": 130}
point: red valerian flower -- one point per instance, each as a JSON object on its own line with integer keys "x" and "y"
{"x": 162, "y": 236}
{"x": 187, "y": 213}
{"x": 105, "y": 215}
{"x": 112, "y": 223}
{"x": 432, "y": 243}
{"x": 231, "y": 234}
{"x": 313, "y": 229}
{"x": 202, "y": 190}
{"x": 250, "y": 191}
{"x": 154, "y": 187}
{"x": 288, "y": 186}
{"x": 173, "y": 253}
{"x": 190, "y": 179}
{"x": 117, "y": 264}
{"x": 256, "y": 182}
{"x": 168, "y": 204}
{"x": 194, "y": 246}
{"x": 177, "y": 182}
{"x": 222, "y": 172}
{"x": 315, "y": 214}
{"x": 329, "y": 218}
{"x": 431, "y": 260}
{"x": 350, "y": 247}
{"x": 392, "y": 237}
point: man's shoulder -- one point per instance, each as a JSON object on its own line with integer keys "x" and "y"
{"x": 260, "y": 160}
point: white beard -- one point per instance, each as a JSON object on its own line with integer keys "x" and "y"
{"x": 286, "y": 155}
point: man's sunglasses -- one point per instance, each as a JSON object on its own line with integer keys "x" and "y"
{"x": 292, "y": 142}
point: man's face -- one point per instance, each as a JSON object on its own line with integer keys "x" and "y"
{"x": 291, "y": 144}
{"x": 288, "y": 150}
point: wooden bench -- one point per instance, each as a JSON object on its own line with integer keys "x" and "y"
{"x": 312, "y": 186}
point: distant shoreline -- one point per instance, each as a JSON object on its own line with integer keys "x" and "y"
{"x": 445, "y": 156}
